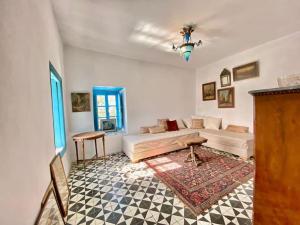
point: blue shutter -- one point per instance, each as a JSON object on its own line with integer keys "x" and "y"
{"x": 57, "y": 111}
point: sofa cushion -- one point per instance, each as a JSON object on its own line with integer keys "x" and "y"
{"x": 237, "y": 129}
{"x": 197, "y": 124}
{"x": 180, "y": 124}
{"x": 163, "y": 123}
{"x": 187, "y": 122}
{"x": 156, "y": 130}
{"x": 172, "y": 125}
{"x": 210, "y": 122}
{"x": 145, "y": 130}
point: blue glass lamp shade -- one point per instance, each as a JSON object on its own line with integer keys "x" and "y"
{"x": 186, "y": 51}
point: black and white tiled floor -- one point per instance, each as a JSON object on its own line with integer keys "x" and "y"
{"x": 119, "y": 192}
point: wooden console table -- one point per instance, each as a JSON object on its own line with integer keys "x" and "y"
{"x": 93, "y": 135}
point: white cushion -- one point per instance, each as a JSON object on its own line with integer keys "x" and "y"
{"x": 210, "y": 122}
{"x": 187, "y": 122}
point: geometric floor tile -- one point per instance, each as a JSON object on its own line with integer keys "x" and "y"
{"x": 120, "y": 192}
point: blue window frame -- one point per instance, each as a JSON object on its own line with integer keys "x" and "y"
{"x": 57, "y": 111}
{"x": 108, "y": 103}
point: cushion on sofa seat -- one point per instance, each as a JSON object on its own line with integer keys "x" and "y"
{"x": 172, "y": 125}
{"x": 156, "y": 130}
{"x": 180, "y": 124}
{"x": 187, "y": 122}
{"x": 145, "y": 130}
{"x": 163, "y": 123}
{"x": 197, "y": 124}
{"x": 237, "y": 129}
{"x": 210, "y": 122}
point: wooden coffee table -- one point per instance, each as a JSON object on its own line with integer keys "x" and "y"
{"x": 191, "y": 143}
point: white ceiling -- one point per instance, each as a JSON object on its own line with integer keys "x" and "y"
{"x": 145, "y": 29}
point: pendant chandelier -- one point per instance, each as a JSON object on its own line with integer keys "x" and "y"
{"x": 187, "y": 45}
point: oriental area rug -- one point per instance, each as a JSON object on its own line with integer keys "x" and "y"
{"x": 200, "y": 187}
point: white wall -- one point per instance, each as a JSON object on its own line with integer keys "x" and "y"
{"x": 28, "y": 40}
{"x": 152, "y": 91}
{"x": 276, "y": 58}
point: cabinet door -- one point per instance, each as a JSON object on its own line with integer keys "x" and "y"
{"x": 277, "y": 151}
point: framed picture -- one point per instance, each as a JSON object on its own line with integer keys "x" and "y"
{"x": 226, "y": 98}
{"x": 80, "y": 102}
{"x": 49, "y": 213}
{"x": 246, "y": 71}
{"x": 108, "y": 125}
{"x": 60, "y": 184}
{"x": 209, "y": 91}
{"x": 225, "y": 78}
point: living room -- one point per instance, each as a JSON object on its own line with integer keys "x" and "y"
{"x": 191, "y": 112}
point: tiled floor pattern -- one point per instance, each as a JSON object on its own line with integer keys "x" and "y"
{"x": 119, "y": 192}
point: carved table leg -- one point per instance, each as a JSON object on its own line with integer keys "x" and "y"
{"x": 96, "y": 148}
{"x": 76, "y": 146}
{"x": 103, "y": 142}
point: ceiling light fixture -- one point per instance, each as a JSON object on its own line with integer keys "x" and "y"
{"x": 187, "y": 45}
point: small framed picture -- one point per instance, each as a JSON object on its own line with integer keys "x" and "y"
{"x": 246, "y": 71}
{"x": 108, "y": 125}
{"x": 209, "y": 91}
{"x": 225, "y": 78}
{"x": 226, "y": 98}
{"x": 81, "y": 102}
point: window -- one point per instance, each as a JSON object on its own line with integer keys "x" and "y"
{"x": 109, "y": 104}
{"x": 57, "y": 111}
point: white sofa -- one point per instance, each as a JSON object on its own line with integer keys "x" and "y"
{"x": 141, "y": 146}
{"x": 240, "y": 144}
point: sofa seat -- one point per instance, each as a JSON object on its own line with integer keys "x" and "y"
{"x": 141, "y": 146}
{"x": 240, "y": 144}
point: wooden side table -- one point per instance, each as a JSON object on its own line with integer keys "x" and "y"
{"x": 93, "y": 135}
{"x": 191, "y": 143}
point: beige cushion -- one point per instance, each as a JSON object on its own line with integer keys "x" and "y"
{"x": 162, "y": 123}
{"x": 210, "y": 122}
{"x": 237, "y": 129}
{"x": 197, "y": 124}
{"x": 187, "y": 122}
{"x": 145, "y": 130}
{"x": 156, "y": 130}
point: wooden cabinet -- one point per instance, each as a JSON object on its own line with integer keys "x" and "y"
{"x": 277, "y": 156}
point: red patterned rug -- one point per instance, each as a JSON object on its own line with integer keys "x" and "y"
{"x": 200, "y": 187}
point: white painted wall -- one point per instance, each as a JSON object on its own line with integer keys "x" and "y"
{"x": 276, "y": 58}
{"x": 29, "y": 39}
{"x": 152, "y": 91}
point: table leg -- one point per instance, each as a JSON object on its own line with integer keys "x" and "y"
{"x": 103, "y": 142}
{"x": 193, "y": 157}
{"x": 76, "y": 146}
{"x": 83, "y": 153}
{"x": 96, "y": 149}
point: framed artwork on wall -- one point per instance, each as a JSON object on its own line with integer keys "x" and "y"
{"x": 80, "y": 102}
{"x": 225, "y": 78}
{"x": 209, "y": 91}
{"x": 108, "y": 124}
{"x": 246, "y": 71}
{"x": 226, "y": 98}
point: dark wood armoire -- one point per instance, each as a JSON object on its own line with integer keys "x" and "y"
{"x": 277, "y": 156}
